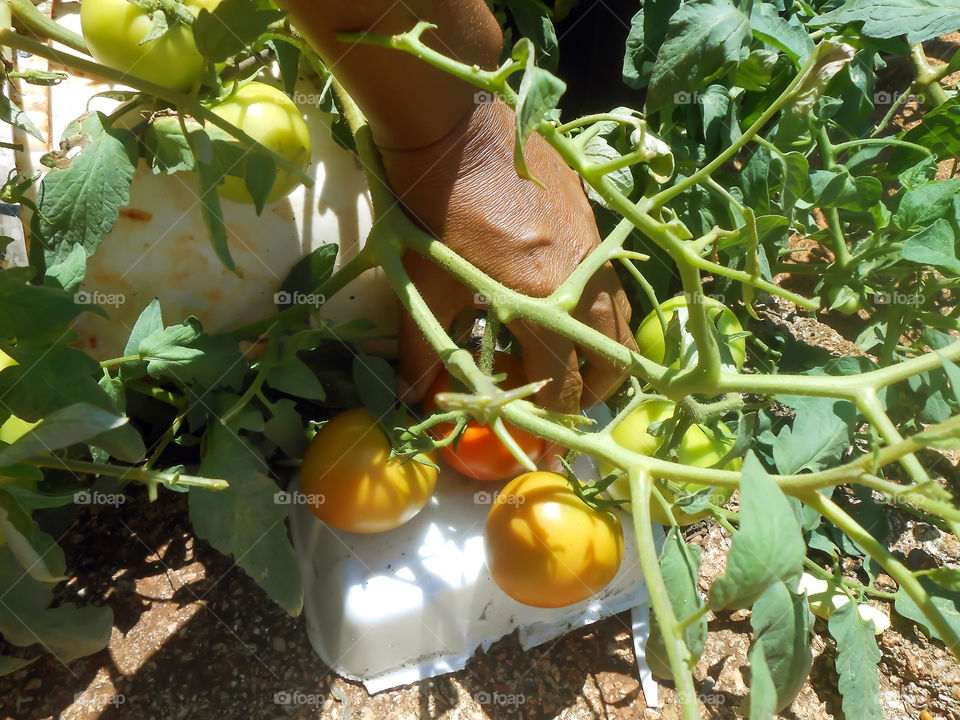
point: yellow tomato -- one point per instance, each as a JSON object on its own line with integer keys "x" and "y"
{"x": 351, "y": 482}
{"x": 545, "y": 547}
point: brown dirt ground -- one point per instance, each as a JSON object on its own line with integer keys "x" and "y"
{"x": 194, "y": 637}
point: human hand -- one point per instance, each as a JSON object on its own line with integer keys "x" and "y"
{"x": 465, "y": 191}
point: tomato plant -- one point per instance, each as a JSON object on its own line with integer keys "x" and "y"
{"x": 545, "y": 547}
{"x": 699, "y": 446}
{"x": 352, "y": 482}
{"x": 271, "y": 118}
{"x": 764, "y": 162}
{"x": 650, "y": 333}
{"x": 119, "y": 34}
{"x": 478, "y": 453}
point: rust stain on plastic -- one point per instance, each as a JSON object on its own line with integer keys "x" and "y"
{"x": 136, "y": 214}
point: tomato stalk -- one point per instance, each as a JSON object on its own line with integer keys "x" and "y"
{"x": 893, "y": 567}
{"x": 677, "y": 651}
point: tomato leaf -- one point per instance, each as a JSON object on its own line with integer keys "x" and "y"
{"x": 857, "y": 658}
{"x": 68, "y": 274}
{"x": 767, "y": 547}
{"x": 781, "y": 642}
{"x": 37, "y": 552}
{"x": 703, "y": 40}
{"x": 208, "y": 177}
{"x": 80, "y": 198}
{"x": 231, "y": 27}
{"x": 821, "y": 432}
{"x": 539, "y": 93}
{"x": 924, "y": 204}
{"x": 788, "y": 36}
{"x": 934, "y": 245}
{"x": 35, "y": 312}
{"x": 920, "y": 20}
{"x": 946, "y": 601}
{"x": 245, "y": 520}
{"x": 292, "y": 376}
{"x": 285, "y": 428}
{"x": 311, "y": 271}
{"x": 66, "y": 631}
{"x": 376, "y": 385}
{"x": 60, "y": 429}
{"x": 149, "y": 322}
{"x": 13, "y": 115}
{"x": 679, "y": 563}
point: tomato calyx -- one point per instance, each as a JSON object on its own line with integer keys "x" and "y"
{"x": 592, "y": 494}
{"x": 164, "y": 15}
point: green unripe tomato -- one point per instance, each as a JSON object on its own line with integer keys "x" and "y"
{"x": 698, "y": 447}
{"x": 272, "y": 119}
{"x": 843, "y": 300}
{"x": 115, "y": 29}
{"x": 650, "y": 339}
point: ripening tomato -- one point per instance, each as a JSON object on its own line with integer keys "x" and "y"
{"x": 479, "y": 453}
{"x": 699, "y": 447}
{"x": 114, "y": 31}
{"x": 545, "y": 547}
{"x": 266, "y": 114}
{"x": 351, "y": 482}
{"x": 650, "y": 333}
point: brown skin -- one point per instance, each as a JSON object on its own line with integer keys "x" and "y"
{"x": 450, "y": 162}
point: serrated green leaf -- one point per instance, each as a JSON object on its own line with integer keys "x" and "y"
{"x": 924, "y": 204}
{"x": 80, "y": 203}
{"x": 781, "y": 635}
{"x": 245, "y": 520}
{"x": 704, "y": 38}
{"x": 857, "y": 658}
{"x": 68, "y": 274}
{"x": 934, "y": 245}
{"x": 768, "y": 546}
{"x": 919, "y": 20}
{"x": 821, "y": 432}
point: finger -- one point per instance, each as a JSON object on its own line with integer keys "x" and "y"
{"x": 609, "y": 312}
{"x": 547, "y": 355}
{"x": 419, "y": 363}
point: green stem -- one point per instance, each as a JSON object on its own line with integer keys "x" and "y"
{"x": 677, "y": 650}
{"x": 928, "y": 79}
{"x": 135, "y": 474}
{"x": 692, "y": 618}
{"x": 664, "y": 196}
{"x": 839, "y": 246}
{"x": 907, "y": 581}
{"x": 850, "y": 144}
{"x": 38, "y": 23}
